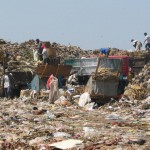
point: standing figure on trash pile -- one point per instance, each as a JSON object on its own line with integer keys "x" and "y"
{"x": 6, "y": 82}
{"x": 147, "y": 41}
{"x": 44, "y": 53}
{"x": 136, "y": 44}
{"x": 7, "y": 53}
{"x": 39, "y": 49}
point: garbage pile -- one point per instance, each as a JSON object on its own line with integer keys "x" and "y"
{"x": 24, "y": 50}
{"x": 65, "y": 52}
{"x": 19, "y": 56}
{"x": 2, "y": 41}
{"x": 31, "y": 123}
{"x": 139, "y": 54}
{"x": 106, "y": 74}
{"x": 115, "y": 51}
{"x": 135, "y": 54}
{"x": 20, "y": 66}
{"x": 139, "y": 88}
{"x": 21, "y": 51}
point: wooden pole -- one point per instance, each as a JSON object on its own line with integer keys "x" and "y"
{"x": 97, "y": 66}
{"x": 44, "y": 70}
{"x": 57, "y": 70}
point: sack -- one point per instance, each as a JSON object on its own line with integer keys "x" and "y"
{"x": 51, "y": 52}
{"x": 47, "y": 44}
{"x": 35, "y": 55}
{"x": 54, "y": 91}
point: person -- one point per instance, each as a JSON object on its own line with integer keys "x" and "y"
{"x": 136, "y": 44}
{"x": 44, "y": 53}
{"x": 39, "y": 49}
{"x": 7, "y": 54}
{"x": 105, "y": 51}
{"x": 6, "y": 85}
{"x": 147, "y": 41}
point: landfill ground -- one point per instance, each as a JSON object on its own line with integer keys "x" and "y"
{"x": 35, "y": 124}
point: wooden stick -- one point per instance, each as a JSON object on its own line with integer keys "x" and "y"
{"x": 57, "y": 70}
{"x": 44, "y": 70}
{"x": 97, "y": 66}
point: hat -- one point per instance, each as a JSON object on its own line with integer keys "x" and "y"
{"x": 37, "y": 40}
{"x": 132, "y": 40}
{"x": 145, "y": 33}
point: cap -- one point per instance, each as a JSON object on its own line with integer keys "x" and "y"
{"x": 37, "y": 40}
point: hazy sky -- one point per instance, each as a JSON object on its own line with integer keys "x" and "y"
{"x": 89, "y": 24}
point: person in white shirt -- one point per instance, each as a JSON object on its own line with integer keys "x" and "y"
{"x": 136, "y": 44}
{"x": 6, "y": 86}
{"x": 147, "y": 41}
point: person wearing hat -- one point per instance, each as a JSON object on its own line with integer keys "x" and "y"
{"x": 136, "y": 44}
{"x": 147, "y": 41}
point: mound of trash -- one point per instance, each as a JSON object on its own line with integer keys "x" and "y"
{"x": 139, "y": 88}
{"x": 24, "y": 51}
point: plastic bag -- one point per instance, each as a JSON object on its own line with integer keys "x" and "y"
{"x": 35, "y": 55}
{"x": 84, "y": 99}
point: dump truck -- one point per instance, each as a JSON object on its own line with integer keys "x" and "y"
{"x": 84, "y": 67}
{"x": 112, "y": 81}
{"x": 105, "y": 81}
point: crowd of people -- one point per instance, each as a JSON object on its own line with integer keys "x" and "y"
{"x": 138, "y": 45}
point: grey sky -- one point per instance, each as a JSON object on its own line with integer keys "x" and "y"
{"x": 89, "y": 24}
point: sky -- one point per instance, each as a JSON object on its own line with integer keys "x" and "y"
{"x": 89, "y": 24}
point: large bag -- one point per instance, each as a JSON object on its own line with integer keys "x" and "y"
{"x": 51, "y": 52}
{"x": 54, "y": 91}
{"x": 84, "y": 99}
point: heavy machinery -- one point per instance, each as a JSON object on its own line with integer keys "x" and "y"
{"x": 84, "y": 67}
{"x": 109, "y": 79}
{"x": 106, "y": 76}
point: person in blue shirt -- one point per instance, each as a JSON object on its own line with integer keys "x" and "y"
{"x": 105, "y": 51}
